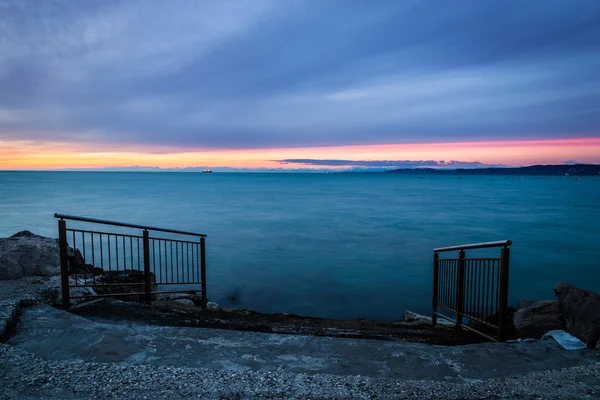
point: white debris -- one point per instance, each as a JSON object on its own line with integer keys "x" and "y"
{"x": 566, "y": 340}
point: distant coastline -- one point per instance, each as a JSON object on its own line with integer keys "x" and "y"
{"x": 539, "y": 170}
{"x": 558, "y": 170}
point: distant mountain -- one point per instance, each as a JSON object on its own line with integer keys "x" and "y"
{"x": 575, "y": 170}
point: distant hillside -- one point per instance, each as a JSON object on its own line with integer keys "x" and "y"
{"x": 576, "y": 170}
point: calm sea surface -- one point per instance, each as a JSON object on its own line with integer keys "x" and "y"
{"x": 334, "y": 245}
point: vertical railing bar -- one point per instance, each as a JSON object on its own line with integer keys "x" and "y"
{"x": 460, "y": 289}
{"x": 203, "y": 269}
{"x": 193, "y": 278}
{"x": 85, "y": 269}
{"x": 485, "y": 290}
{"x": 481, "y": 289}
{"x": 476, "y": 289}
{"x": 163, "y": 270}
{"x": 101, "y": 253}
{"x": 467, "y": 299}
{"x": 504, "y": 276}
{"x": 435, "y": 288}
{"x": 172, "y": 263}
{"x": 489, "y": 291}
{"x": 198, "y": 250}
{"x": 182, "y": 263}
{"x": 441, "y": 282}
{"x": 159, "y": 261}
{"x": 455, "y": 286}
{"x": 117, "y": 252}
{"x": 147, "y": 283}
{"x": 154, "y": 257}
{"x": 83, "y": 245}
{"x": 93, "y": 252}
{"x": 75, "y": 258}
{"x": 64, "y": 264}
{"x": 124, "y": 254}
{"x": 109, "y": 255}
{"x": 471, "y": 278}
{"x": 187, "y": 268}
{"x": 176, "y": 261}
{"x": 138, "y": 251}
{"x": 478, "y": 301}
{"x": 131, "y": 253}
{"x": 498, "y": 288}
{"x": 446, "y": 283}
{"x": 443, "y": 287}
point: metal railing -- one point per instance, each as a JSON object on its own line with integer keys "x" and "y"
{"x": 473, "y": 288}
{"x": 128, "y": 265}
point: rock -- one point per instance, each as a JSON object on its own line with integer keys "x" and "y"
{"x": 581, "y": 309}
{"x": 26, "y": 254}
{"x": 537, "y": 318}
{"x": 187, "y": 302}
{"x": 211, "y": 305}
{"x": 412, "y": 318}
{"x": 176, "y": 296}
{"x": 525, "y": 303}
{"x": 128, "y": 281}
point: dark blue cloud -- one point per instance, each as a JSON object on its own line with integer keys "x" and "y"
{"x": 298, "y": 73}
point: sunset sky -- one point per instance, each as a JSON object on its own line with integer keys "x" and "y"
{"x": 296, "y": 84}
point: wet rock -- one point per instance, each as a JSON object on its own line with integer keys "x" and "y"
{"x": 211, "y": 305}
{"x": 581, "y": 309}
{"x": 123, "y": 282}
{"x": 176, "y": 296}
{"x": 187, "y": 302}
{"x": 412, "y": 318}
{"x": 537, "y": 318}
{"x": 27, "y": 254}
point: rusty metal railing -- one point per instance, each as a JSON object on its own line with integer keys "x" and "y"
{"x": 128, "y": 265}
{"x": 475, "y": 289}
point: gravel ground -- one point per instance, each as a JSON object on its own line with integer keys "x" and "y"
{"x": 25, "y": 376}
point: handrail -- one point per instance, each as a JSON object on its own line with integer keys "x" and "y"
{"x": 500, "y": 243}
{"x": 105, "y": 222}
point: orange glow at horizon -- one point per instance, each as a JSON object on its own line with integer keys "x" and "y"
{"x": 19, "y": 155}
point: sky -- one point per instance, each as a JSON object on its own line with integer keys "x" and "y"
{"x": 296, "y": 84}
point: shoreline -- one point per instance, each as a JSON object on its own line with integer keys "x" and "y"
{"x": 25, "y": 375}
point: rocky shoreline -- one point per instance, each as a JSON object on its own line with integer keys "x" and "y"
{"x": 24, "y": 375}
{"x": 576, "y": 311}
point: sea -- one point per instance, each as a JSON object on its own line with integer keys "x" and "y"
{"x": 356, "y": 245}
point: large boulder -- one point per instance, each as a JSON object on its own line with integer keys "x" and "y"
{"x": 535, "y": 318}
{"x": 26, "y": 254}
{"x": 581, "y": 309}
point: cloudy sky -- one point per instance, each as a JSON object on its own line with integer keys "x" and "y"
{"x": 269, "y": 83}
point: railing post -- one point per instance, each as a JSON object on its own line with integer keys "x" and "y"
{"x": 64, "y": 263}
{"x": 147, "y": 283}
{"x": 436, "y": 268}
{"x": 503, "y": 306}
{"x": 460, "y": 288}
{"x": 203, "y": 269}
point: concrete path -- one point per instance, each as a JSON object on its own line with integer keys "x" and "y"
{"x": 53, "y": 334}
{"x": 132, "y": 362}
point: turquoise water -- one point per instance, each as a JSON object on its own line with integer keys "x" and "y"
{"x": 334, "y": 245}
